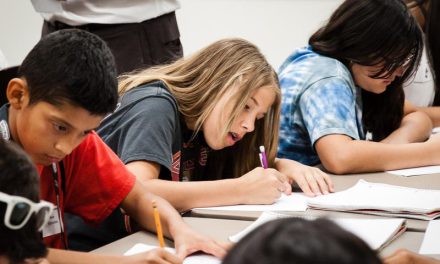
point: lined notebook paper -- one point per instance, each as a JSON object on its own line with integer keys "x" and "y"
{"x": 296, "y": 202}
{"x": 193, "y": 259}
{"x": 377, "y": 233}
{"x": 382, "y": 199}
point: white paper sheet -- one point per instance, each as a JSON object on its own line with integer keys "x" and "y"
{"x": 379, "y": 198}
{"x": 416, "y": 171}
{"x": 296, "y": 202}
{"x": 377, "y": 233}
{"x": 193, "y": 259}
{"x": 431, "y": 242}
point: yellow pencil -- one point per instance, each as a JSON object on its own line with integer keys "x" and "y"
{"x": 158, "y": 225}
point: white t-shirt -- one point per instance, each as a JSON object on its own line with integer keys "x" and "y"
{"x": 420, "y": 90}
{"x": 80, "y": 12}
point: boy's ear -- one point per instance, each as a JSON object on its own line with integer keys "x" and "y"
{"x": 17, "y": 93}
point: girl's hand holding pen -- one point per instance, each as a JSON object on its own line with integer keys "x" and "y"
{"x": 262, "y": 186}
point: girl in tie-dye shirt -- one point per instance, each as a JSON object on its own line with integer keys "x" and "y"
{"x": 346, "y": 86}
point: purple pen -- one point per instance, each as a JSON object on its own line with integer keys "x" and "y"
{"x": 263, "y": 155}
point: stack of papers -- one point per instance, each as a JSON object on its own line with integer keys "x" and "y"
{"x": 382, "y": 199}
{"x": 377, "y": 233}
{"x": 296, "y": 202}
{"x": 193, "y": 259}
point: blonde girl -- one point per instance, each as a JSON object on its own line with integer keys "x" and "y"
{"x": 191, "y": 130}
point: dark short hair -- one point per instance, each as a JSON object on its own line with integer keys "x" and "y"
{"x": 72, "y": 66}
{"x": 300, "y": 241}
{"x": 18, "y": 176}
{"x": 367, "y": 32}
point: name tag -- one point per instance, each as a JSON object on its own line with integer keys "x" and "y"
{"x": 54, "y": 225}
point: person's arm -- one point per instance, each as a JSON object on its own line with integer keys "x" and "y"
{"x": 156, "y": 256}
{"x": 433, "y": 112}
{"x": 311, "y": 180}
{"x": 341, "y": 155}
{"x": 403, "y": 256}
{"x": 259, "y": 186}
{"x": 416, "y": 126}
{"x": 138, "y": 204}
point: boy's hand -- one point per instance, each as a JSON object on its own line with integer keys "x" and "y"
{"x": 155, "y": 256}
{"x": 187, "y": 241}
{"x": 311, "y": 180}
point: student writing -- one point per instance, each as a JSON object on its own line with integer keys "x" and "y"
{"x": 203, "y": 118}
{"x": 348, "y": 82}
{"x": 191, "y": 131}
{"x": 67, "y": 85}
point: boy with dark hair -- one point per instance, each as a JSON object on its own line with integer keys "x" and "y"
{"x": 67, "y": 84}
{"x": 20, "y": 240}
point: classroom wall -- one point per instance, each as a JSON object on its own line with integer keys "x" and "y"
{"x": 276, "y": 26}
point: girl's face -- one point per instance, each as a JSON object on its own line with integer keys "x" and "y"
{"x": 362, "y": 77}
{"x": 256, "y": 107}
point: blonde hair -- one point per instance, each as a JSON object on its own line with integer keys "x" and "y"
{"x": 199, "y": 81}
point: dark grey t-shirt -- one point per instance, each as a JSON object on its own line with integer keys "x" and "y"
{"x": 146, "y": 126}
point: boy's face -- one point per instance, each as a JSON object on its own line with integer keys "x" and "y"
{"x": 47, "y": 132}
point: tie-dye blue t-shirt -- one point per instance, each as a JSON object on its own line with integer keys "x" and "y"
{"x": 319, "y": 98}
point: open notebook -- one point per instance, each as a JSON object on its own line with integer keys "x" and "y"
{"x": 382, "y": 199}
{"x": 385, "y": 230}
{"x": 193, "y": 259}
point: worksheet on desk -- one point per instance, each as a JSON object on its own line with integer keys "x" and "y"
{"x": 193, "y": 259}
{"x": 296, "y": 202}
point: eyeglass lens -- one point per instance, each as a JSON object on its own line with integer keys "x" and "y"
{"x": 19, "y": 213}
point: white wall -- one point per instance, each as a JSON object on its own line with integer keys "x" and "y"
{"x": 276, "y": 26}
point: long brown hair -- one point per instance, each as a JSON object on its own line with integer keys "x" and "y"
{"x": 199, "y": 81}
{"x": 368, "y": 32}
